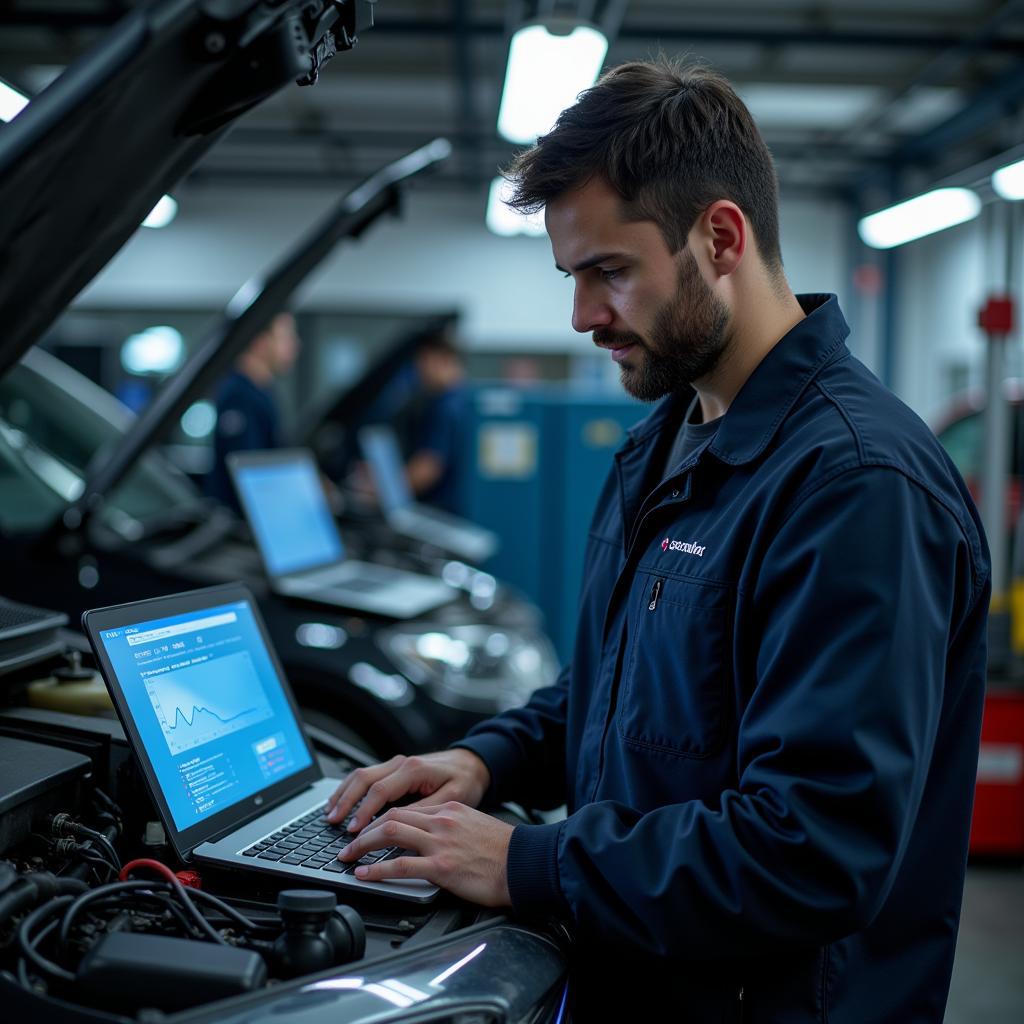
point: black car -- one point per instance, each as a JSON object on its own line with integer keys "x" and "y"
{"x": 84, "y": 888}
{"x": 111, "y": 520}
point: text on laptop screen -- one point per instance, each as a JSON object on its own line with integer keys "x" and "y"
{"x": 289, "y": 513}
{"x": 381, "y": 449}
{"x": 207, "y": 703}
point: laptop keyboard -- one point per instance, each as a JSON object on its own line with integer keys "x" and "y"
{"x": 360, "y": 584}
{"x": 344, "y": 575}
{"x": 314, "y": 843}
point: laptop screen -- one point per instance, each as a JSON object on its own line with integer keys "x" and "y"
{"x": 380, "y": 446}
{"x": 286, "y": 508}
{"x": 208, "y": 706}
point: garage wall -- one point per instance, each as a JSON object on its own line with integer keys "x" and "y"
{"x": 439, "y": 255}
{"x": 941, "y": 282}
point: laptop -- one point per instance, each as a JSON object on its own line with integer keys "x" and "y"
{"x": 214, "y": 725}
{"x": 283, "y": 499}
{"x": 418, "y": 522}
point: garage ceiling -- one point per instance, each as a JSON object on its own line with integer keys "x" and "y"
{"x": 855, "y": 97}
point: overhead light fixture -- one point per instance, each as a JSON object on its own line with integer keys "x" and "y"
{"x": 154, "y": 350}
{"x": 12, "y": 102}
{"x": 162, "y": 214}
{"x": 924, "y": 215}
{"x": 549, "y": 64}
{"x": 1008, "y": 182}
{"x": 503, "y": 220}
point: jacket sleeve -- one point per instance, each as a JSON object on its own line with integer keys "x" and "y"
{"x": 524, "y": 748}
{"x": 858, "y": 599}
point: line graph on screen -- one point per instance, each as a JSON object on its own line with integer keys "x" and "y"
{"x": 207, "y": 701}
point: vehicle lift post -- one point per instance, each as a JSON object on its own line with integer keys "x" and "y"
{"x": 997, "y": 827}
{"x": 996, "y": 320}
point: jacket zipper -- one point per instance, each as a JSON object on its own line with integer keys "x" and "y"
{"x": 654, "y": 595}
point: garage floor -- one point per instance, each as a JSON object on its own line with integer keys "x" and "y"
{"x": 988, "y": 973}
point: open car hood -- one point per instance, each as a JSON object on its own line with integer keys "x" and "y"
{"x": 84, "y": 163}
{"x": 250, "y": 309}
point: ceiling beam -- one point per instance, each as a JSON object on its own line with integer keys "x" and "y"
{"x": 796, "y": 35}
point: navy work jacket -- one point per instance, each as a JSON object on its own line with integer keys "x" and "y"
{"x": 767, "y": 737}
{"x": 246, "y": 421}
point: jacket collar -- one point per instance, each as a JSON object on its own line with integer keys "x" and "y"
{"x": 770, "y": 392}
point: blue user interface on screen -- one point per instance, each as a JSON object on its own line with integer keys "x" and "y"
{"x": 208, "y": 705}
{"x": 381, "y": 448}
{"x": 289, "y": 514}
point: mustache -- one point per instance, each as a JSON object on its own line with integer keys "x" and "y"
{"x": 606, "y": 338}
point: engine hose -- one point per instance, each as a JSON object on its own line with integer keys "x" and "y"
{"x": 32, "y": 889}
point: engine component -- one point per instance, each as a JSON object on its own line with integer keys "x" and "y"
{"x": 317, "y": 933}
{"x": 161, "y": 971}
{"x": 71, "y": 688}
{"x": 27, "y": 635}
{"x": 34, "y": 778}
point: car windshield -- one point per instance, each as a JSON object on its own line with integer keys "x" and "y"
{"x": 53, "y": 421}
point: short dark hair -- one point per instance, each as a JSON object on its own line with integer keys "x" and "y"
{"x": 670, "y": 138}
{"x": 437, "y": 337}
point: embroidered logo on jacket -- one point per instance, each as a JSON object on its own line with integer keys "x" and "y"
{"x": 683, "y": 545}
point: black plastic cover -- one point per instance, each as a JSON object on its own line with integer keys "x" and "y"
{"x": 141, "y": 970}
{"x": 34, "y": 779}
{"x": 28, "y": 635}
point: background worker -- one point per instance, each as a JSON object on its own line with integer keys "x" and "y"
{"x": 247, "y": 414}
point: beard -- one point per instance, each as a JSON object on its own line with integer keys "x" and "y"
{"x": 688, "y": 338}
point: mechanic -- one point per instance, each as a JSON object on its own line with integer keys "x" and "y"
{"x": 767, "y": 736}
{"x": 436, "y": 421}
{"x": 247, "y": 417}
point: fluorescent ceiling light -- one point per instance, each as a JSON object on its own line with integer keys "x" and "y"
{"x": 154, "y": 350}
{"x": 1008, "y": 181}
{"x": 503, "y": 220}
{"x": 546, "y": 72}
{"x": 934, "y": 211}
{"x": 162, "y": 214}
{"x": 12, "y": 102}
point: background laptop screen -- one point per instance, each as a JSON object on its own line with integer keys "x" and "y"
{"x": 288, "y": 512}
{"x": 208, "y": 706}
{"x": 380, "y": 446}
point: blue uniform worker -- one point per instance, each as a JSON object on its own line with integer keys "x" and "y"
{"x": 767, "y": 736}
{"x": 439, "y": 430}
{"x": 435, "y": 439}
{"x": 247, "y": 417}
{"x": 247, "y": 420}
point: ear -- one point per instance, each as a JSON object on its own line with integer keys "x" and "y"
{"x": 724, "y": 232}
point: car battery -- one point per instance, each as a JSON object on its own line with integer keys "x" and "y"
{"x": 998, "y": 823}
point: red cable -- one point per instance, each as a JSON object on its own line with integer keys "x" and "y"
{"x": 187, "y": 878}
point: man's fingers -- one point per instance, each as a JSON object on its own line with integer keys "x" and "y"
{"x": 430, "y": 803}
{"x": 387, "y": 790}
{"x": 355, "y": 786}
{"x": 398, "y": 867}
{"x": 402, "y": 834}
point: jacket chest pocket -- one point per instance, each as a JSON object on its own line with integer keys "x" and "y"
{"x": 676, "y": 675}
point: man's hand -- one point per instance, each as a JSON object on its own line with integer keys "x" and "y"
{"x": 460, "y": 849}
{"x": 447, "y": 775}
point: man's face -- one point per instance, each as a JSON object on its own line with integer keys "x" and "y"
{"x": 284, "y": 343}
{"x": 438, "y": 370}
{"x": 652, "y": 308}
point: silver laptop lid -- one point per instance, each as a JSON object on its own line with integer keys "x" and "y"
{"x": 283, "y": 500}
